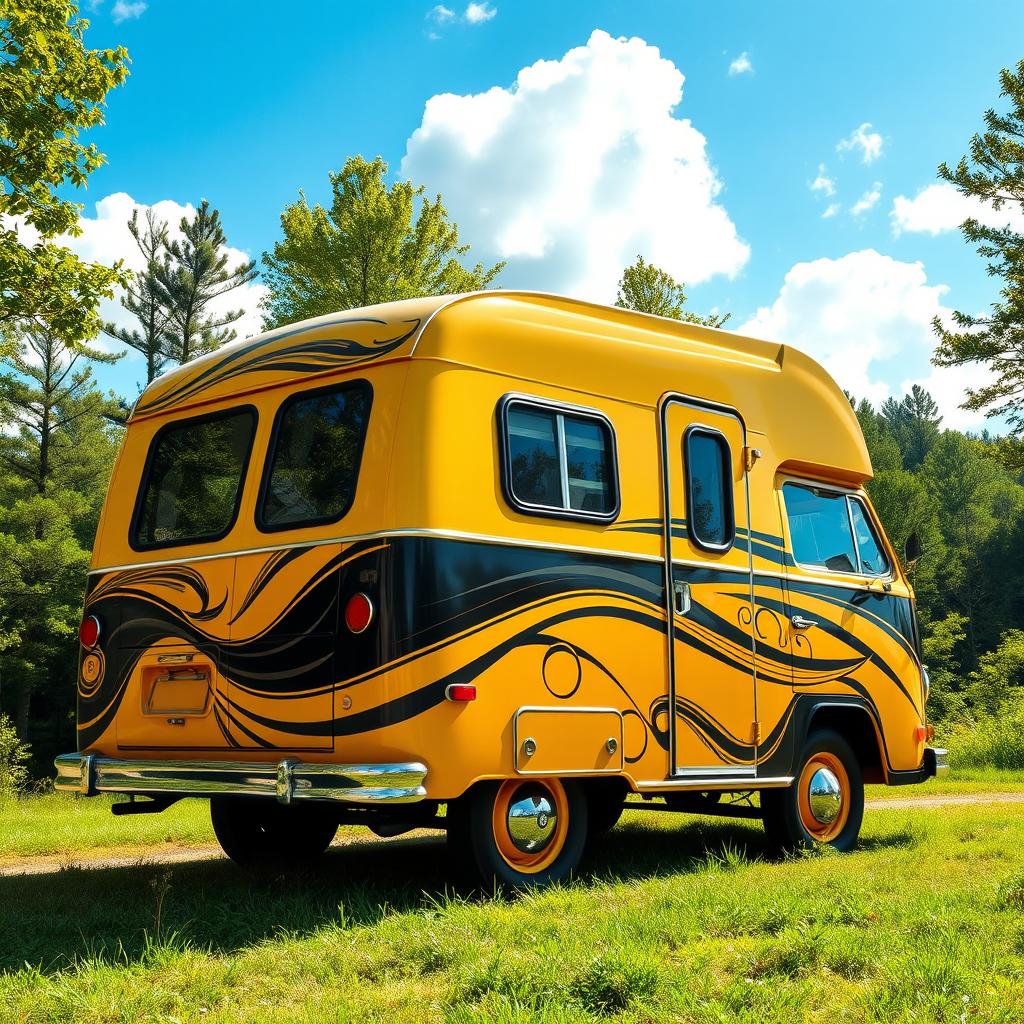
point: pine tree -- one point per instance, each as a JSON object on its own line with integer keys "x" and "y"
{"x": 195, "y": 274}
{"x": 376, "y": 243}
{"x": 915, "y": 424}
{"x": 649, "y": 289}
{"x": 994, "y": 174}
{"x": 143, "y": 298}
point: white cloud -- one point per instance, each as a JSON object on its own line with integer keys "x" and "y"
{"x": 741, "y": 65}
{"x": 479, "y": 12}
{"x": 940, "y": 208}
{"x": 823, "y": 183}
{"x": 831, "y": 210}
{"x": 105, "y": 239}
{"x": 440, "y": 14}
{"x": 868, "y": 200}
{"x": 575, "y": 169}
{"x": 123, "y": 11}
{"x": 867, "y": 318}
{"x": 869, "y": 143}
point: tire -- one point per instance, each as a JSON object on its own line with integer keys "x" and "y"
{"x": 791, "y": 823}
{"x": 256, "y": 832}
{"x": 552, "y": 820}
{"x": 606, "y": 799}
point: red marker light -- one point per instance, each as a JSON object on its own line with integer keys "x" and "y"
{"x": 358, "y": 613}
{"x": 89, "y": 632}
{"x": 460, "y": 692}
{"x": 920, "y": 733}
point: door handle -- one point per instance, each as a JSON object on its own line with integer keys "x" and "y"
{"x": 799, "y": 622}
{"x": 681, "y": 596}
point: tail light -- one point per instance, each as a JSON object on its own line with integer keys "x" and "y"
{"x": 358, "y": 613}
{"x": 89, "y": 632}
{"x": 460, "y": 692}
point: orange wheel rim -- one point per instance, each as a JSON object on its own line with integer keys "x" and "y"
{"x": 530, "y": 821}
{"x": 824, "y": 795}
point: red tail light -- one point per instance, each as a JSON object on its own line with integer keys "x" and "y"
{"x": 461, "y": 692}
{"x": 89, "y": 632}
{"x": 358, "y": 613}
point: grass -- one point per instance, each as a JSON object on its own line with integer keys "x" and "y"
{"x": 678, "y": 919}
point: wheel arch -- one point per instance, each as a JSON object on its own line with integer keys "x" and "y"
{"x": 859, "y": 727}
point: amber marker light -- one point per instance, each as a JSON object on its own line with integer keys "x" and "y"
{"x": 89, "y": 632}
{"x": 358, "y": 613}
{"x": 460, "y": 692}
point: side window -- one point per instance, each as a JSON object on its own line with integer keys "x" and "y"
{"x": 315, "y": 451}
{"x": 558, "y": 463}
{"x": 192, "y": 483}
{"x": 872, "y": 556}
{"x": 709, "y": 505}
{"x": 830, "y": 530}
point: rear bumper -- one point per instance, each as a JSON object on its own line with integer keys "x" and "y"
{"x": 934, "y": 763}
{"x": 936, "y": 760}
{"x": 286, "y": 781}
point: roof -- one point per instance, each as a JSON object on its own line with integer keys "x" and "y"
{"x": 603, "y": 350}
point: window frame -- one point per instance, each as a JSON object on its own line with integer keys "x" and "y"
{"x": 850, "y": 496}
{"x": 154, "y": 444}
{"x": 268, "y": 460}
{"x": 560, "y": 410}
{"x": 701, "y": 429}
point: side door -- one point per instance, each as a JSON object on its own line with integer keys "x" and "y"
{"x": 709, "y": 579}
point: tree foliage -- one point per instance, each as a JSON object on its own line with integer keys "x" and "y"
{"x": 52, "y": 88}
{"x": 375, "y": 243}
{"x": 993, "y": 172}
{"x": 649, "y": 289}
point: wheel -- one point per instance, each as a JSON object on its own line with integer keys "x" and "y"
{"x": 824, "y": 805}
{"x": 519, "y": 833}
{"x": 606, "y": 799}
{"x": 254, "y": 831}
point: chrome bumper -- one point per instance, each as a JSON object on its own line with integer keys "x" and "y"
{"x": 936, "y": 760}
{"x": 285, "y": 781}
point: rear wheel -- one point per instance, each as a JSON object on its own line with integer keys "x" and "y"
{"x": 606, "y": 800}
{"x": 255, "y": 832}
{"x": 825, "y": 805}
{"x": 518, "y": 833}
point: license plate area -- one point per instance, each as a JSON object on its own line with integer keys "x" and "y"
{"x": 567, "y": 741}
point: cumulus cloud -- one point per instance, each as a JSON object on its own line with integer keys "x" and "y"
{"x": 940, "y": 208}
{"x": 105, "y": 239}
{"x": 477, "y": 13}
{"x": 123, "y": 11}
{"x": 868, "y": 200}
{"x": 861, "y": 139}
{"x": 867, "y": 318}
{"x": 741, "y": 65}
{"x": 440, "y": 14}
{"x": 576, "y": 168}
{"x": 830, "y": 211}
{"x": 823, "y": 183}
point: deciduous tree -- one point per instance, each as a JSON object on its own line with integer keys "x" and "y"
{"x": 649, "y": 289}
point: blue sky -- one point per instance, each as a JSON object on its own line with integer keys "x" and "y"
{"x": 245, "y": 104}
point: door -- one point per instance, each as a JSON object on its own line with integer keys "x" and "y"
{"x": 712, "y": 678}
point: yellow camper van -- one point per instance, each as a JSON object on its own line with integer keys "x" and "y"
{"x": 492, "y": 564}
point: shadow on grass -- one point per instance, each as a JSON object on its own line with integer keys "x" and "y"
{"x": 114, "y": 915}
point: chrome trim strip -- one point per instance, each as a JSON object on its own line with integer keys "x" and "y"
{"x": 708, "y": 772}
{"x": 381, "y": 534}
{"x": 285, "y": 780}
{"x": 735, "y": 782}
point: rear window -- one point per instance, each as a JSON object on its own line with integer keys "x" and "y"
{"x": 314, "y": 457}
{"x": 192, "y": 483}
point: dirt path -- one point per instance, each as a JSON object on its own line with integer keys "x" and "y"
{"x": 45, "y": 864}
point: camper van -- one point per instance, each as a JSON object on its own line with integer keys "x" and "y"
{"x": 494, "y": 564}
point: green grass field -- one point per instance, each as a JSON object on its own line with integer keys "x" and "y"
{"x": 678, "y": 918}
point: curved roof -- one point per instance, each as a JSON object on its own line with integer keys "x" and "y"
{"x": 582, "y": 346}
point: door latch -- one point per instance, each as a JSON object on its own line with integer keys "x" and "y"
{"x": 681, "y": 596}
{"x": 799, "y": 622}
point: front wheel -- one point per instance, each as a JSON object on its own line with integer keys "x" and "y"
{"x": 518, "y": 833}
{"x": 256, "y": 832}
{"x": 825, "y": 805}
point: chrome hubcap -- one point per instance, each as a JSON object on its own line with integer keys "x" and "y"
{"x": 531, "y": 819}
{"x": 825, "y": 796}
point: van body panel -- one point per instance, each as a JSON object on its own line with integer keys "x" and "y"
{"x": 550, "y": 612}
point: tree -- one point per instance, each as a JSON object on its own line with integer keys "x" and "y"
{"x": 994, "y": 174}
{"x": 882, "y": 446}
{"x": 649, "y": 289}
{"x": 915, "y": 424}
{"x": 376, "y": 243}
{"x": 142, "y": 296}
{"x": 195, "y": 273}
{"x": 51, "y": 88}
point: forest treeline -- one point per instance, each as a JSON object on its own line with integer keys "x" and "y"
{"x": 961, "y": 495}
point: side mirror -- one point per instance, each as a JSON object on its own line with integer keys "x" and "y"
{"x": 912, "y": 548}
